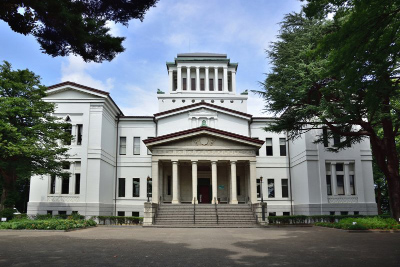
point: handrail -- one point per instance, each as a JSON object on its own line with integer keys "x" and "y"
{"x": 216, "y": 209}
{"x": 194, "y": 210}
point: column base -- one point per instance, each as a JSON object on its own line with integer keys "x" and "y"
{"x": 234, "y": 201}
{"x": 213, "y": 202}
{"x": 197, "y": 202}
{"x": 175, "y": 202}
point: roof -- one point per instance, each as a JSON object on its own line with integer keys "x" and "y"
{"x": 202, "y": 104}
{"x": 79, "y": 86}
{"x": 68, "y": 83}
{"x": 204, "y": 129}
{"x": 202, "y": 55}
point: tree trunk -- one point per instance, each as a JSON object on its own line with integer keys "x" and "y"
{"x": 3, "y": 198}
{"x": 379, "y": 198}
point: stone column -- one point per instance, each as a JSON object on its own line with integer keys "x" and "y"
{"x": 333, "y": 178}
{"x": 234, "y": 82}
{"x": 179, "y": 89}
{"x": 225, "y": 80}
{"x": 171, "y": 80}
{"x": 214, "y": 181}
{"x": 72, "y": 179}
{"x": 253, "y": 182}
{"x": 188, "y": 82}
{"x": 346, "y": 179}
{"x": 206, "y": 80}
{"x": 175, "y": 199}
{"x": 194, "y": 182}
{"x": 215, "y": 79}
{"x": 234, "y": 183}
{"x": 155, "y": 178}
{"x": 197, "y": 79}
{"x": 161, "y": 181}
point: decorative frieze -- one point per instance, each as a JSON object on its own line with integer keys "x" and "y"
{"x": 191, "y": 152}
{"x": 343, "y": 199}
{"x": 65, "y": 199}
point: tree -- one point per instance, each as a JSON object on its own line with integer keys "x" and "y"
{"x": 66, "y": 27}
{"x": 341, "y": 73}
{"x": 30, "y": 137}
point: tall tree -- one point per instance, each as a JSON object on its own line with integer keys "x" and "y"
{"x": 342, "y": 73}
{"x": 66, "y": 27}
{"x": 30, "y": 137}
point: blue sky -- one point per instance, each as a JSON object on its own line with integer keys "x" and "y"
{"x": 242, "y": 29}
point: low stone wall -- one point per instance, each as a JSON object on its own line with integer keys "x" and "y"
{"x": 150, "y": 210}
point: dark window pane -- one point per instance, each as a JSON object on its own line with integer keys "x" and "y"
{"x": 336, "y": 139}
{"x": 169, "y": 185}
{"x": 285, "y": 188}
{"x": 282, "y": 146}
{"x": 79, "y": 136}
{"x": 286, "y": 213}
{"x": 135, "y": 213}
{"x": 121, "y": 213}
{"x": 258, "y": 188}
{"x": 331, "y": 213}
{"x": 136, "y": 146}
{"x": 325, "y": 136}
{"x": 121, "y": 187}
{"x": 136, "y": 187}
{"x": 52, "y": 184}
{"x": 184, "y": 84}
{"x": 271, "y": 188}
{"x": 268, "y": 144}
{"x": 339, "y": 167}
{"x": 122, "y": 145}
{"x": 65, "y": 186}
{"x": 66, "y": 165}
{"x": 68, "y": 129}
{"x": 219, "y": 84}
{"x": 211, "y": 84}
{"x": 329, "y": 185}
{"x": 193, "y": 87}
{"x": 272, "y": 214}
{"x": 356, "y": 213}
{"x": 202, "y": 84}
{"x": 352, "y": 185}
{"x": 49, "y": 212}
{"x": 77, "y": 183}
{"x": 238, "y": 185}
{"x": 344, "y": 213}
{"x": 340, "y": 184}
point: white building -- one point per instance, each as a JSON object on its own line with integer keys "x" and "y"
{"x": 201, "y": 147}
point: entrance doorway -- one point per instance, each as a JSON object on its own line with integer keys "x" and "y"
{"x": 204, "y": 190}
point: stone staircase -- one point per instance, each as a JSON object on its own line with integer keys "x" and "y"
{"x": 205, "y": 215}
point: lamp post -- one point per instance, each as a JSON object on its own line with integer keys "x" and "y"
{"x": 262, "y": 200}
{"x": 261, "y": 189}
{"x": 148, "y": 188}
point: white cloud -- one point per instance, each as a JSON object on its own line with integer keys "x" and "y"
{"x": 76, "y": 70}
{"x": 114, "y": 28}
{"x": 143, "y": 102}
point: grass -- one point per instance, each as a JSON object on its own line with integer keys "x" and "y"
{"x": 47, "y": 224}
{"x": 363, "y": 224}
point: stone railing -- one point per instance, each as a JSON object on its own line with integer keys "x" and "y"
{"x": 257, "y": 211}
{"x": 150, "y": 211}
{"x": 65, "y": 199}
{"x": 342, "y": 199}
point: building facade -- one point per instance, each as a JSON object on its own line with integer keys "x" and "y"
{"x": 201, "y": 147}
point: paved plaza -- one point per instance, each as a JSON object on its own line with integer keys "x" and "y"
{"x": 137, "y": 246}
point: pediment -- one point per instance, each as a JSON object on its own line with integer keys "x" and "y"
{"x": 71, "y": 93}
{"x": 204, "y": 141}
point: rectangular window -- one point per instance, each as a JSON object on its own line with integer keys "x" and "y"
{"x": 136, "y": 187}
{"x": 202, "y": 84}
{"x": 268, "y": 145}
{"x": 211, "y": 84}
{"x": 77, "y": 183}
{"x": 52, "y": 184}
{"x": 286, "y": 213}
{"x": 68, "y": 129}
{"x": 66, "y": 165}
{"x": 65, "y": 186}
{"x": 272, "y": 214}
{"x": 352, "y": 185}
{"x": 344, "y": 213}
{"x": 169, "y": 185}
{"x": 285, "y": 188}
{"x": 339, "y": 167}
{"x": 184, "y": 84}
{"x": 329, "y": 185}
{"x": 336, "y": 139}
{"x": 49, "y": 212}
{"x": 121, "y": 187}
{"x": 135, "y": 214}
{"x": 238, "y": 185}
{"x": 258, "y": 188}
{"x": 325, "y": 136}
{"x": 282, "y": 146}
{"x": 340, "y": 184}
{"x": 271, "y": 188}
{"x": 122, "y": 145}
{"x": 331, "y": 213}
{"x": 148, "y": 150}
{"x": 219, "y": 84}
{"x": 193, "y": 85}
{"x": 356, "y": 213}
{"x": 121, "y": 213}
{"x": 79, "y": 134}
{"x": 136, "y": 145}
{"x": 62, "y": 212}
{"x": 149, "y": 188}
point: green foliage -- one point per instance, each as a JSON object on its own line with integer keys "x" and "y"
{"x": 303, "y": 219}
{"x": 7, "y": 213}
{"x": 47, "y": 224}
{"x": 66, "y": 27}
{"x": 131, "y": 220}
{"x": 363, "y": 223}
{"x": 29, "y": 135}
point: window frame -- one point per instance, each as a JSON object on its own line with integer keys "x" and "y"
{"x": 271, "y": 193}
{"x": 134, "y": 187}
{"x": 285, "y": 186}
{"x": 269, "y": 149}
{"x": 282, "y": 148}
{"x": 77, "y": 183}
{"x": 211, "y": 84}
{"x": 121, "y": 145}
{"x": 121, "y": 187}
{"x": 136, "y": 146}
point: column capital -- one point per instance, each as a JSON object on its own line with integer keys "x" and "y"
{"x": 213, "y": 162}
{"x": 346, "y": 163}
{"x": 206, "y": 67}
{"x": 197, "y": 67}
{"x": 233, "y": 161}
{"x": 333, "y": 163}
{"x": 194, "y": 161}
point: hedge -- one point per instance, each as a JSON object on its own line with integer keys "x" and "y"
{"x": 131, "y": 220}
{"x": 303, "y": 219}
{"x": 49, "y": 224}
{"x": 363, "y": 224}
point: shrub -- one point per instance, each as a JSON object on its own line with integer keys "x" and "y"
{"x": 49, "y": 224}
{"x": 7, "y": 213}
{"x": 363, "y": 223}
{"x": 119, "y": 220}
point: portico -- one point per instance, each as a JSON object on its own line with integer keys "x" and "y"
{"x": 208, "y": 167}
